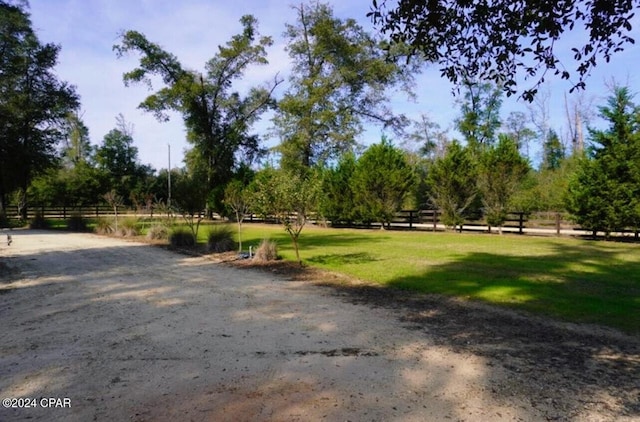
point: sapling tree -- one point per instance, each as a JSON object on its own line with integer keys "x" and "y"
{"x": 114, "y": 200}
{"x": 238, "y": 199}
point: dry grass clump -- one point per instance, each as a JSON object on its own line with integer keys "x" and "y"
{"x": 158, "y": 232}
{"x": 128, "y": 227}
{"x": 266, "y": 251}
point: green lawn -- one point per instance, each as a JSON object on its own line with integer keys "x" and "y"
{"x": 571, "y": 279}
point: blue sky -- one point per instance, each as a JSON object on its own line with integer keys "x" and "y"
{"x": 193, "y": 29}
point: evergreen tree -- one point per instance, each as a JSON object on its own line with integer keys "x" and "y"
{"x": 337, "y": 201}
{"x": 553, "y": 152}
{"x": 501, "y": 171}
{"x": 452, "y": 183}
{"x": 604, "y": 195}
{"x": 381, "y": 182}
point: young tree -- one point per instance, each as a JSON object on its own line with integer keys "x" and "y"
{"x": 340, "y": 79}
{"x": 604, "y": 193}
{"x": 34, "y": 103}
{"x": 452, "y": 183}
{"x": 238, "y": 199}
{"x": 381, "y": 182}
{"x": 189, "y": 198}
{"x": 290, "y": 197}
{"x": 496, "y": 40}
{"x": 114, "y": 200}
{"x": 501, "y": 170}
{"x": 218, "y": 120}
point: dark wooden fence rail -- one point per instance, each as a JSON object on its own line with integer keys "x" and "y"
{"x": 426, "y": 219}
{"x": 64, "y": 212}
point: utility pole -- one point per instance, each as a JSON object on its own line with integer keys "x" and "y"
{"x": 169, "y": 178}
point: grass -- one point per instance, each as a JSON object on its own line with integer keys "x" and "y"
{"x": 570, "y": 279}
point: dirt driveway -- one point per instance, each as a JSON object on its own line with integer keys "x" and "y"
{"x": 120, "y": 331}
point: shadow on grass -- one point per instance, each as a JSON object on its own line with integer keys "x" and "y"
{"x": 342, "y": 259}
{"x": 315, "y": 239}
{"x": 575, "y": 283}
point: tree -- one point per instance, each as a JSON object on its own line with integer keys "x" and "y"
{"x": 238, "y": 199}
{"x": 604, "y": 192}
{"x": 552, "y": 152}
{"x": 496, "y": 40}
{"x": 430, "y": 139}
{"x": 452, "y": 183}
{"x": 516, "y": 128}
{"x": 114, "y": 200}
{"x": 290, "y": 197}
{"x": 217, "y": 119}
{"x": 77, "y": 147}
{"x": 480, "y": 110}
{"x": 337, "y": 201}
{"x": 117, "y": 157}
{"x": 189, "y": 198}
{"x": 381, "y": 182}
{"x": 340, "y": 79}
{"x": 501, "y": 170}
{"x": 33, "y": 103}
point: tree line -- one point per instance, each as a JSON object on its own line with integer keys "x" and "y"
{"x": 341, "y": 82}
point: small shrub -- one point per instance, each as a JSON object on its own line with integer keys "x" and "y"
{"x": 158, "y": 232}
{"x": 76, "y": 223}
{"x": 182, "y": 237}
{"x": 128, "y": 227}
{"x": 38, "y": 222}
{"x": 104, "y": 226}
{"x": 220, "y": 239}
{"x": 266, "y": 251}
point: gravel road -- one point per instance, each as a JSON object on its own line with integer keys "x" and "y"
{"x": 115, "y": 330}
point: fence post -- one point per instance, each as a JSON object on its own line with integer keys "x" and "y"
{"x": 410, "y": 219}
{"x": 64, "y": 212}
{"x": 435, "y": 219}
{"x": 557, "y": 224}
{"x": 521, "y": 222}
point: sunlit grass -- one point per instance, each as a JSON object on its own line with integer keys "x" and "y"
{"x": 571, "y": 279}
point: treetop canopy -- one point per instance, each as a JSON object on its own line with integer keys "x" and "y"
{"x": 494, "y": 39}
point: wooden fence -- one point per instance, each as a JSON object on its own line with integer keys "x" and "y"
{"x": 428, "y": 219}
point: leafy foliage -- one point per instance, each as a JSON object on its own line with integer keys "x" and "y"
{"x": 604, "y": 195}
{"x": 480, "y": 114}
{"x": 381, "y": 181}
{"x": 338, "y": 199}
{"x": 290, "y": 196}
{"x": 452, "y": 181}
{"x": 217, "y": 119}
{"x": 495, "y": 40}
{"x": 34, "y": 103}
{"x": 339, "y": 80}
{"x": 501, "y": 171}
{"x": 237, "y": 197}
